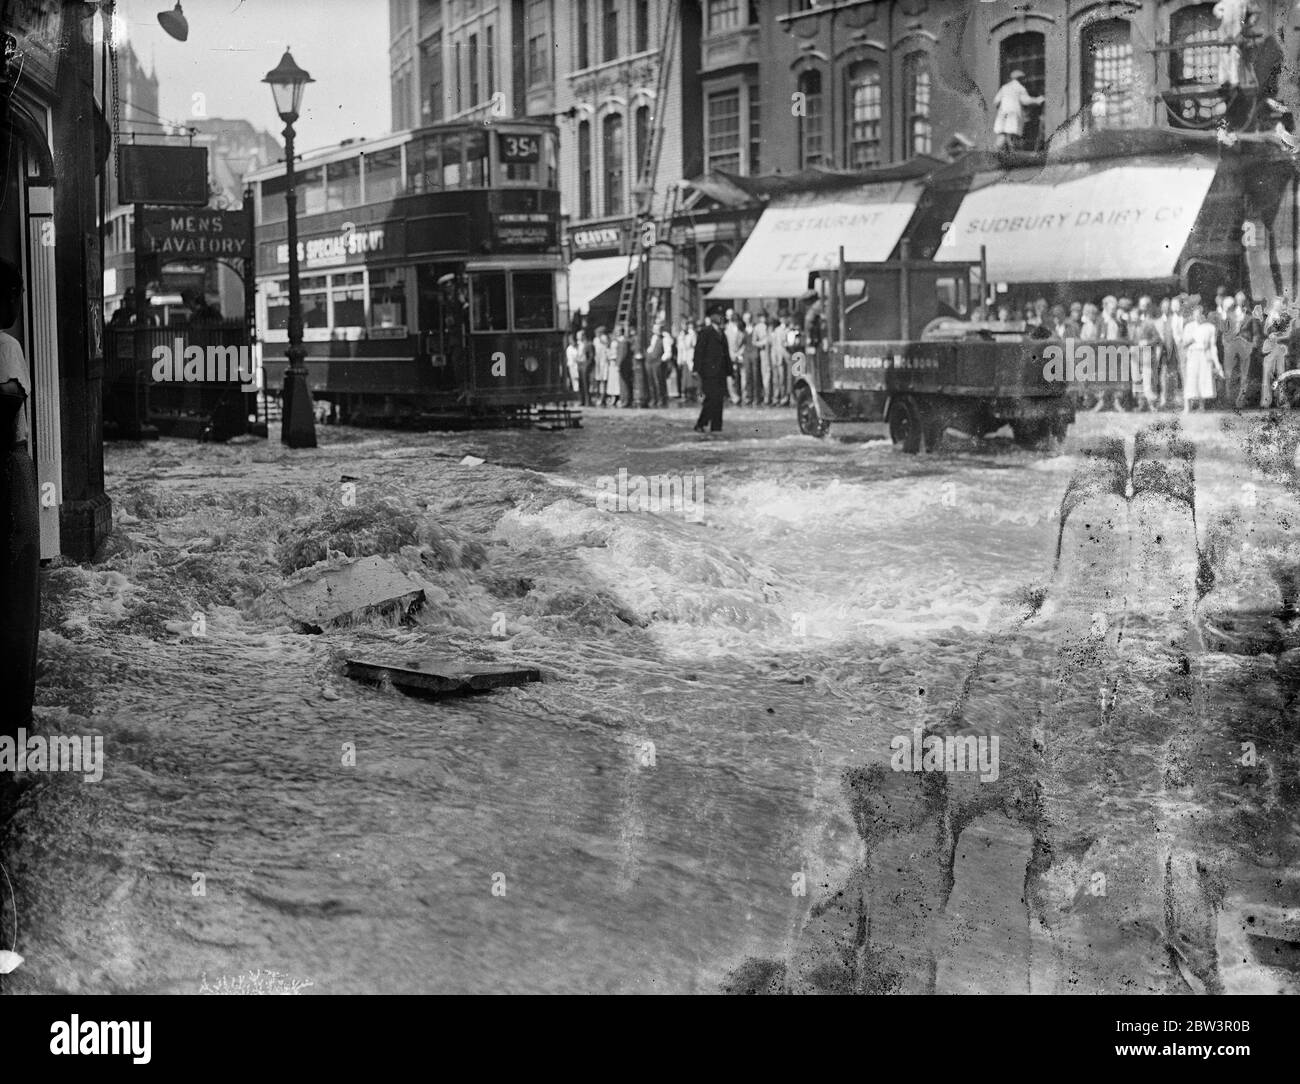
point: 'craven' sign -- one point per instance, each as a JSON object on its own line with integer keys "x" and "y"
{"x": 196, "y": 235}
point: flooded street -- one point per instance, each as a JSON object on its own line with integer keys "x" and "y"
{"x": 695, "y": 787}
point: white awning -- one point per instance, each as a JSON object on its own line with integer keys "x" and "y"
{"x": 1077, "y": 222}
{"x": 588, "y": 279}
{"x": 799, "y": 234}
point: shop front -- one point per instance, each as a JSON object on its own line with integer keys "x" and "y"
{"x": 1191, "y": 219}
{"x": 599, "y": 263}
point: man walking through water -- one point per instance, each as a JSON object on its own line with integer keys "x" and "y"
{"x": 712, "y": 367}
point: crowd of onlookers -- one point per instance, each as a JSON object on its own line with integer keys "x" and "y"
{"x": 607, "y": 368}
{"x": 1190, "y": 350}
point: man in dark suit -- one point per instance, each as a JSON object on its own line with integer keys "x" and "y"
{"x": 712, "y": 367}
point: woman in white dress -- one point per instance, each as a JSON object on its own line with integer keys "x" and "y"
{"x": 1200, "y": 358}
{"x": 600, "y": 375}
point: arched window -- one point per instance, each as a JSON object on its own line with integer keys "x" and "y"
{"x": 916, "y": 104}
{"x": 584, "y": 169}
{"x": 865, "y": 109}
{"x": 1195, "y": 65}
{"x": 717, "y": 259}
{"x": 612, "y": 153}
{"x": 1107, "y": 63}
{"x": 1026, "y": 52}
{"x": 641, "y": 123}
{"x": 812, "y": 136}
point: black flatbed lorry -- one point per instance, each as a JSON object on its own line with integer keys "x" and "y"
{"x": 906, "y": 343}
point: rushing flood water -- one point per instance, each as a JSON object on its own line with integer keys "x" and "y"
{"x": 635, "y": 823}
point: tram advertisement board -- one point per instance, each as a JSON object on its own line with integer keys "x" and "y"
{"x": 518, "y": 231}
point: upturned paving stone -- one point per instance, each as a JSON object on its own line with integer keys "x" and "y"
{"x": 439, "y": 676}
{"x": 348, "y": 593}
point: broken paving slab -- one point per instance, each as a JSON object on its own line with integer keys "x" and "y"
{"x": 347, "y": 593}
{"x": 439, "y": 676}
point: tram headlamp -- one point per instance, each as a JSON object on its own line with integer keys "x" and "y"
{"x": 531, "y": 364}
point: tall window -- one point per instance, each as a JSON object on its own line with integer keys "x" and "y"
{"x": 642, "y": 127}
{"x": 609, "y": 30}
{"x": 474, "y": 98}
{"x": 642, "y": 28}
{"x": 460, "y": 81}
{"x": 1107, "y": 64}
{"x": 1197, "y": 62}
{"x": 755, "y": 128}
{"x": 1026, "y": 52}
{"x": 430, "y": 16}
{"x": 724, "y": 131}
{"x": 865, "y": 110}
{"x": 723, "y": 15}
{"x": 403, "y": 106}
{"x": 399, "y": 15}
{"x": 537, "y": 31}
{"x": 1195, "y": 65}
{"x": 584, "y": 33}
{"x": 432, "y": 103}
{"x": 584, "y": 169}
{"x": 916, "y": 94}
{"x": 811, "y": 133}
{"x": 612, "y": 151}
{"x": 489, "y": 46}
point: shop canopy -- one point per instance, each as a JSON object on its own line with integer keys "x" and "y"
{"x": 588, "y": 279}
{"x": 1081, "y": 221}
{"x": 801, "y": 233}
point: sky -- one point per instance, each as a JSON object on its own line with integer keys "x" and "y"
{"x": 234, "y": 43}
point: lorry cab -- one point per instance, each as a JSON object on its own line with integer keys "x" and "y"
{"x": 907, "y": 342}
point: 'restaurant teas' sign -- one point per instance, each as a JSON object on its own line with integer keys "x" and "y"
{"x": 195, "y": 235}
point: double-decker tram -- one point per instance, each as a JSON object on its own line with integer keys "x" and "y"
{"x": 432, "y": 282}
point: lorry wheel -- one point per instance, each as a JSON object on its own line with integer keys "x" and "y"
{"x": 905, "y": 428}
{"x": 810, "y": 423}
{"x": 1029, "y": 433}
{"x": 935, "y": 425}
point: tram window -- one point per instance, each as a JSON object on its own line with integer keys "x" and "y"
{"x": 488, "y": 291}
{"x": 476, "y": 159}
{"x": 315, "y": 311}
{"x": 534, "y": 300}
{"x": 342, "y": 184}
{"x": 424, "y": 164}
{"x": 383, "y": 174}
{"x": 349, "y": 298}
{"x": 272, "y": 207}
{"x": 277, "y": 305}
{"x": 387, "y": 298}
{"x": 451, "y": 167}
{"x": 517, "y": 172}
{"x": 311, "y": 191}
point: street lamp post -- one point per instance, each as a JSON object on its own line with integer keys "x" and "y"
{"x": 298, "y": 419}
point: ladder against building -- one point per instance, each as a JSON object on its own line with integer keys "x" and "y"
{"x": 645, "y": 237}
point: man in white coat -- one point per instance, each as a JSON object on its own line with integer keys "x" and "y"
{"x": 1011, "y": 101}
